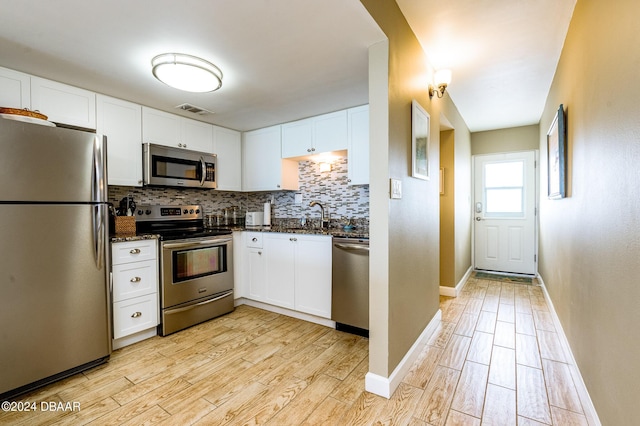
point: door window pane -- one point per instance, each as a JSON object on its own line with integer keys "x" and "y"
{"x": 504, "y": 189}
{"x": 504, "y": 175}
{"x": 504, "y": 200}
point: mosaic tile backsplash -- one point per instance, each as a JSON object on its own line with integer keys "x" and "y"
{"x": 330, "y": 189}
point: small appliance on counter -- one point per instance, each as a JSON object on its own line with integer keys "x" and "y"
{"x": 254, "y": 219}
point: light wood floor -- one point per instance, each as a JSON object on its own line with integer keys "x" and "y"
{"x": 496, "y": 359}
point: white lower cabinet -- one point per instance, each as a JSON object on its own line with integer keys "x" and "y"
{"x": 279, "y": 269}
{"x": 297, "y": 271}
{"x": 313, "y": 275}
{"x": 135, "y": 291}
{"x": 133, "y": 315}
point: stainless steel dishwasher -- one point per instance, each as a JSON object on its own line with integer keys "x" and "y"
{"x": 350, "y": 285}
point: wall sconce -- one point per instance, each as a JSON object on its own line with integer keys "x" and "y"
{"x": 441, "y": 79}
{"x": 325, "y": 167}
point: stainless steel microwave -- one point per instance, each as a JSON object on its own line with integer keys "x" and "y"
{"x": 167, "y": 166}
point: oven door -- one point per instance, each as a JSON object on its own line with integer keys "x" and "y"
{"x": 196, "y": 269}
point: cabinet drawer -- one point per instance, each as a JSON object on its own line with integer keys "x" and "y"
{"x": 254, "y": 239}
{"x": 134, "y": 279}
{"x": 133, "y": 251}
{"x": 134, "y": 315}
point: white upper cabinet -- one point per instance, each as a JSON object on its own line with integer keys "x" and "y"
{"x": 15, "y": 89}
{"x": 197, "y": 135}
{"x": 121, "y": 122}
{"x": 315, "y": 135}
{"x": 227, "y": 145}
{"x": 64, "y": 104}
{"x": 172, "y": 130}
{"x": 358, "y": 150}
{"x": 330, "y": 132}
{"x": 263, "y": 168}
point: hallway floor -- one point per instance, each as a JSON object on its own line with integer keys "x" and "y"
{"x": 495, "y": 359}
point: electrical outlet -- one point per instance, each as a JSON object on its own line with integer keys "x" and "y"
{"x": 396, "y": 189}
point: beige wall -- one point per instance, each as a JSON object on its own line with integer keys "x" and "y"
{"x": 447, "y": 210}
{"x": 525, "y": 138}
{"x": 455, "y": 204}
{"x": 590, "y": 241}
{"x": 404, "y": 233}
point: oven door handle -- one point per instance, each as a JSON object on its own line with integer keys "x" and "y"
{"x": 216, "y": 242}
{"x": 195, "y": 305}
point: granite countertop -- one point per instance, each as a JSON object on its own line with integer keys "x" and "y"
{"x": 335, "y": 232}
{"x": 119, "y": 238}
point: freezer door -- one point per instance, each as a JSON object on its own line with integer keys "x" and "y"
{"x": 54, "y": 300}
{"x": 40, "y": 163}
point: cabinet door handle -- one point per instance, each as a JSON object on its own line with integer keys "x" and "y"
{"x": 260, "y": 253}
{"x": 134, "y": 251}
{"x": 136, "y": 314}
{"x": 135, "y": 279}
{"x": 254, "y": 239}
{"x": 293, "y": 239}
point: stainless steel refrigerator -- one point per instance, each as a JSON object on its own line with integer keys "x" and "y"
{"x": 54, "y": 257}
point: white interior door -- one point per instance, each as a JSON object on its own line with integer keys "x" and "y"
{"x": 505, "y": 212}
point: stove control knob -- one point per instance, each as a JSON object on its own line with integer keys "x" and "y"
{"x": 147, "y": 212}
{"x": 191, "y": 211}
{"x": 140, "y": 212}
{"x": 185, "y": 211}
{"x": 197, "y": 211}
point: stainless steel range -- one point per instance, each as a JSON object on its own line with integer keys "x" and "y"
{"x": 196, "y": 265}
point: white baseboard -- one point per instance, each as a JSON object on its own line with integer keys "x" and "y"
{"x": 385, "y": 386}
{"x": 455, "y": 291}
{"x": 134, "y": 338}
{"x": 284, "y": 311}
{"x": 587, "y": 405}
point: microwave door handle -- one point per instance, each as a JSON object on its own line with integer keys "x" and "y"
{"x": 203, "y": 167}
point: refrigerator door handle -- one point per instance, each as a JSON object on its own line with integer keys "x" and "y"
{"x": 98, "y": 234}
{"x": 99, "y": 178}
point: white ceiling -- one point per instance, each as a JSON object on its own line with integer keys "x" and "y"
{"x": 283, "y": 60}
{"x": 503, "y": 54}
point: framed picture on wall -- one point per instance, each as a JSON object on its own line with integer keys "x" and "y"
{"x": 556, "y": 156}
{"x": 419, "y": 141}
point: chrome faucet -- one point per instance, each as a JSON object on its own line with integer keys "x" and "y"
{"x": 324, "y": 223}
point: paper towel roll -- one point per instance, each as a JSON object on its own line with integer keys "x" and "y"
{"x": 267, "y": 214}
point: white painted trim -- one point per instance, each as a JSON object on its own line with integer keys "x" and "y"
{"x": 587, "y": 405}
{"x": 384, "y": 386}
{"x": 455, "y": 291}
{"x": 284, "y": 311}
{"x": 134, "y": 338}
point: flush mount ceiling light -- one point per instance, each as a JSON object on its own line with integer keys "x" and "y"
{"x": 186, "y": 72}
{"x": 441, "y": 79}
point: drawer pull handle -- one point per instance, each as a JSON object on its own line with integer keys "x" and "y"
{"x": 134, "y": 251}
{"x": 136, "y": 314}
{"x": 135, "y": 279}
{"x": 254, "y": 239}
